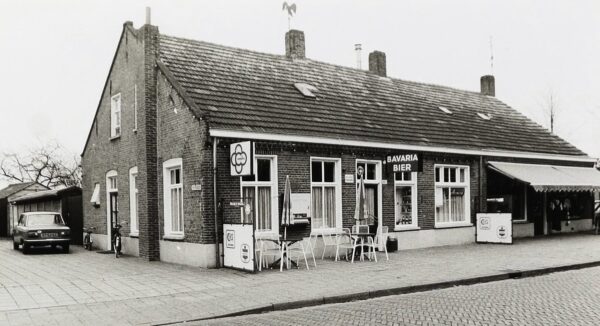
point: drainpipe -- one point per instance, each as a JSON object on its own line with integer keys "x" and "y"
{"x": 481, "y": 171}
{"x": 216, "y": 204}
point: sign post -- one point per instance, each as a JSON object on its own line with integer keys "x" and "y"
{"x": 494, "y": 228}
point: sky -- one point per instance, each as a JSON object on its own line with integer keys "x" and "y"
{"x": 56, "y": 54}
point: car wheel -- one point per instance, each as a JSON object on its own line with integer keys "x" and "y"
{"x": 15, "y": 245}
{"x": 26, "y": 248}
{"x": 65, "y": 248}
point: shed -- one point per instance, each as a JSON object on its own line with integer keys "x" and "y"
{"x": 67, "y": 201}
{"x": 6, "y": 210}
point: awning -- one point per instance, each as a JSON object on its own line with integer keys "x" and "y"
{"x": 551, "y": 177}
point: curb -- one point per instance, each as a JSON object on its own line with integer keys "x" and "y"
{"x": 359, "y": 296}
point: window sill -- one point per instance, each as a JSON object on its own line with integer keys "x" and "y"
{"x": 173, "y": 237}
{"x": 406, "y": 228}
{"x": 134, "y": 235}
{"x": 115, "y": 137}
{"x": 452, "y": 225}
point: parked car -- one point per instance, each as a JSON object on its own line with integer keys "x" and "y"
{"x": 41, "y": 229}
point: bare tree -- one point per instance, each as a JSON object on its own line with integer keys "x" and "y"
{"x": 550, "y": 107}
{"x": 46, "y": 165}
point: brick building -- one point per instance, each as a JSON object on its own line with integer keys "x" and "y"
{"x": 158, "y": 152}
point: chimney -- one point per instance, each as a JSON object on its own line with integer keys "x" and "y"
{"x": 148, "y": 16}
{"x": 377, "y": 63}
{"x": 488, "y": 85}
{"x": 358, "y": 49}
{"x": 294, "y": 44}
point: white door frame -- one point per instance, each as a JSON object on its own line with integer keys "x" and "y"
{"x": 378, "y": 182}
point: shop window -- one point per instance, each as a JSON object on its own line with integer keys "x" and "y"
{"x": 452, "y": 193}
{"x": 115, "y": 116}
{"x": 326, "y": 199}
{"x": 173, "y": 198}
{"x": 405, "y": 194}
{"x": 259, "y": 193}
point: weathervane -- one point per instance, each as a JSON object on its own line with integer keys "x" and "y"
{"x": 291, "y": 9}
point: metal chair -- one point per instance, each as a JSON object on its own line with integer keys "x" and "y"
{"x": 297, "y": 250}
{"x": 344, "y": 241}
{"x": 268, "y": 248}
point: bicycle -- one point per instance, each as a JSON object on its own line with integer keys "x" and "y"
{"x": 116, "y": 240}
{"x": 87, "y": 239}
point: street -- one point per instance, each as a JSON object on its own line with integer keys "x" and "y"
{"x": 566, "y": 298}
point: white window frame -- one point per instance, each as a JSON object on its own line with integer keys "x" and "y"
{"x": 376, "y": 181}
{"x": 169, "y": 165}
{"x": 109, "y": 189}
{"x": 133, "y": 202}
{"x": 115, "y": 110}
{"x": 274, "y": 192}
{"x": 338, "y": 192}
{"x": 467, "y": 196}
{"x": 135, "y": 108}
{"x": 414, "y": 204}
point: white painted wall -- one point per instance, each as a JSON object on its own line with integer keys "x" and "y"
{"x": 435, "y": 237}
{"x": 185, "y": 253}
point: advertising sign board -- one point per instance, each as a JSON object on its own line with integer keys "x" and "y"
{"x": 238, "y": 246}
{"x": 494, "y": 228}
{"x": 403, "y": 162}
{"x": 240, "y": 158}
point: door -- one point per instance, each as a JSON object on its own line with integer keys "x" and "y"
{"x": 114, "y": 213}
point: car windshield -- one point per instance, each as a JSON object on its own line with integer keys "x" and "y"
{"x": 44, "y": 219}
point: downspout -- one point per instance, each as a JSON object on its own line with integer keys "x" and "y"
{"x": 216, "y": 204}
{"x": 481, "y": 171}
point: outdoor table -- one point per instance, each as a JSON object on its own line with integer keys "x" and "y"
{"x": 280, "y": 242}
{"x": 362, "y": 237}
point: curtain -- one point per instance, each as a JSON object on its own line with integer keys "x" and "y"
{"x": 264, "y": 208}
{"x": 248, "y": 194}
{"x": 176, "y": 210}
{"x": 443, "y": 212}
{"x": 317, "y": 207}
{"x": 458, "y": 205}
{"x": 329, "y": 218}
{"x": 370, "y": 199}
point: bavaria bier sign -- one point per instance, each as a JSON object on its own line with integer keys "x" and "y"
{"x": 406, "y": 162}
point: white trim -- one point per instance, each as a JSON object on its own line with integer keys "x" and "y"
{"x": 133, "y": 204}
{"x": 167, "y": 166}
{"x": 414, "y": 205}
{"x": 359, "y": 143}
{"x": 274, "y": 192}
{"x": 114, "y": 109}
{"x": 377, "y": 181}
{"x": 109, "y": 189}
{"x": 466, "y": 185}
{"x": 338, "y": 191}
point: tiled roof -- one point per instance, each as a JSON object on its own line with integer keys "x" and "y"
{"x": 14, "y": 188}
{"x": 244, "y": 90}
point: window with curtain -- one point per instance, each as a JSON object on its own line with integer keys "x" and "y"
{"x": 133, "y": 201}
{"x": 324, "y": 184}
{"x": 115, "y": 116}
{"x": 451, "y": 195}
{"x": 260, "y": 195}
{"x": 405, "y": 192}
{"x": 176, "y": 200}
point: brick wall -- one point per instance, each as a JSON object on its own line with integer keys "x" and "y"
{"x": 294, "y": 160}
{"x": 182, "y": 135}
{"x": 103, "y": 154}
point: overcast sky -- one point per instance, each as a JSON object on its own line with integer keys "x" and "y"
{"x": 56, "y": 54}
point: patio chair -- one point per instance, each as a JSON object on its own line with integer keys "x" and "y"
{"x": 268, "y": 248}
{"x": 297, "y": 250}
{"x": 371, "y": 249}
{"x": 328, "y": 241}
{"x": 344, "y": 241}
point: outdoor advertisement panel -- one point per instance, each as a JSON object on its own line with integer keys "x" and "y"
{"x": 238, "y": 246}
{"x": 494, "y": 228}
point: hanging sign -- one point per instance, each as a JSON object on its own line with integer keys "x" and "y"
{"x": 494, "y": 228}
{"x": 405, "y": 162}
{"x": 240, "y": 158}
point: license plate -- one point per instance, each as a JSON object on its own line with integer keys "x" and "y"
{"x": 49, "y": 235}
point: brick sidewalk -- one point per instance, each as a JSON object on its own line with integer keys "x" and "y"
{"x": 90, "y": 288}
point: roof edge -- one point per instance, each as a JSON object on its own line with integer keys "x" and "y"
{"x": 182, "y": 92}
{"x": 224, "y": 133}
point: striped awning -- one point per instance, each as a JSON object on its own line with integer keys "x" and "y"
{"x": 546, "y": 178}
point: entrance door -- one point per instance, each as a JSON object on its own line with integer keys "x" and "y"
{"x": 114, "y": 210}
